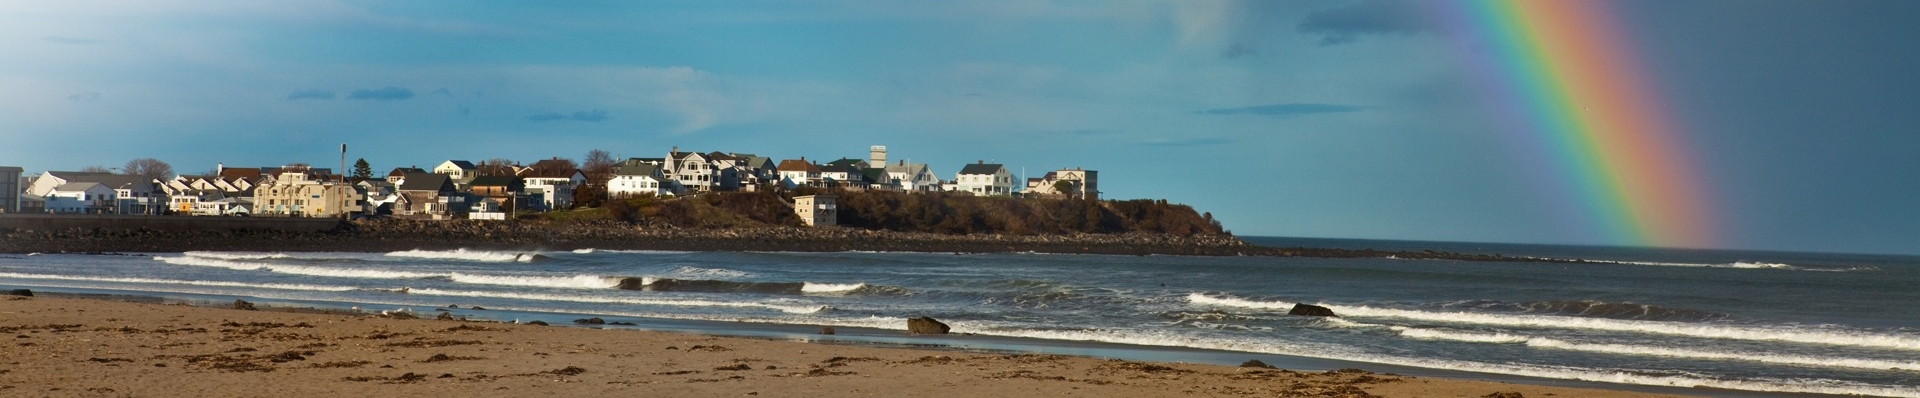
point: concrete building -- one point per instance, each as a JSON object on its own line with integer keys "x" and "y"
{"x": 816, "y": 210}
{"x": 1073, "y": 183}
{"x": 10, "y": 189}
{"x": 297, "y": 193}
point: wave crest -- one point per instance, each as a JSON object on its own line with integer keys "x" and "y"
{"x": 469, "y": 255}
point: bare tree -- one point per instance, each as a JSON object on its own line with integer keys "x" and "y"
{"x": 497, "y": 167}
{"x": 148, "y": 167}
{"x": 599, "y": 166}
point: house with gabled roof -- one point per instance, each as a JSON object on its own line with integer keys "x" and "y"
{"x": 983, "y": 179}
{"x": 641, "y": 180}
{"x": 131, "y": 194}
{"x": 461, "y": 171}
{"x": 795, "y": 173}
{"x": 1072, "y": 183}
{"x": 298, "y": 192}
{"x": 399, "y": 173}
{"x": 79, "y": 198}
{"x": 693, "y": 170}
{"x": 429, "y": 196}
{"x": 914, "y": 177}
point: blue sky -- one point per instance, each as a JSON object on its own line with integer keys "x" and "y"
{"x": 1301, "y": 118}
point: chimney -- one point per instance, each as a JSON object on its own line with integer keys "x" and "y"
{"x": 979, "y": 161}
{"x": 219, "y": 169}
{"x": 903, "y": 162}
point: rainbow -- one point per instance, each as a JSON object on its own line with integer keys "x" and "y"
{"x": 1573, "y": 90}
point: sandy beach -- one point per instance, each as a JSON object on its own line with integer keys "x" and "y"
{"x": 62, "y": 347}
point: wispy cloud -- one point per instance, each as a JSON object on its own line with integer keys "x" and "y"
{"x": 1345, "y": 24}
{"x": 444, "y": 91}
{"x": 582, "y": 116}
{"x": 70, "y": 40}
{"x": 310, "y": 94}
{"x": 1284, "y": 110}
{"x": 1176, "y": 142}
{"x": 384, "y": 94}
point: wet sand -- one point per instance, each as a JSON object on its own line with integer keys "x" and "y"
{"x": 67, "y": 347}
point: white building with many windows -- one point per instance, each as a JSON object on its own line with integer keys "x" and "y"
{"x": 983, "y": 179}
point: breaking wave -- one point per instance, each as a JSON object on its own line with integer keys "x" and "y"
{"x": 570, "y": 282}
{"x": 210, "y": 262}
{"x": 236, "y": 255}
{"x": 1804, "y": 335}
{"x": 1595, "y": 309}
{"x": 810, "y": 287}
{"x": 277, "y": 286}
{"x": 469, "y": 255}
{"x": 791, "y": 309}
{"x": 1669, "y": 352}
{"x": 697, "y": 272}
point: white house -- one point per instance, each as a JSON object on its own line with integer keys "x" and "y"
{"x": 640, "y": 180}
{"x": 983, "y": 179}
{"x": 462, "y": 172}
{"x": 693, "y": 170}
{"x": 132, "y": 194}
{"x": 914, "y": 177}
{"x": 553, "y": 182}
{"x": 80, "y": 198}
{"x": 795, "y": 173}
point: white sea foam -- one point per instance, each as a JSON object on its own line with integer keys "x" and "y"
{"x": 209, "y": 262}
{"x": 1432, "y": 334}
{"x": 1203, "y": 299}
{"x": 583, "y": 251}
{"x": 467, "y": 255}
{"x": 570, "y": 282}
{"x": 1712, "y": 331}
{"x": 692, "y": 272}
{"x": 830, "y": 288}
{"x": 1805, "y": 335}
{"x": 349, "y": 272}
{"x": 236, "y": 255}
{"x": 648, "y": 251}
{"x": 1158, "y": 338}
{"x": 791, "y": 309}
{"x": 1670, "y": 352}
{"x": 279, "y": 286}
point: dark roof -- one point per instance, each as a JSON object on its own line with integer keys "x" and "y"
{"x": 462, "y": 164}
{"x": 875, "y": 174}
{"x": 250, "y": 174}
{"x": 716, "y": 155}
{"x": 426, "y": 182}
{"x": 845, "y": 162}
{"x": 550, "y": 168}
{"x": 981, "y": 168}
{"x": 641, "y": 169}
{"x": 403, "y": 171}
{"x": 494, "y": 181}
{"x": 798, "y": 165}
{"x": 108, "y": 179}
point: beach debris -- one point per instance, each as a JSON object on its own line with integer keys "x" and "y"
{"x": 622, "y": 323}
{"x": 1504, "y": 394}
{"x": 1311, "y": 310}
{"x": 20, "y": 292}
{"x": 926, "y": 325}
{"x": 566, "y": 371}
{"x": 826, "y": 330}
{"x": 737, "y": 366}
{"x": 444, "y": 316}
{"x": 590, "y": 321}
{"x": 243, "y": 305}
{"x": 541, "y": 323}
{"x": 1255, "y": 363}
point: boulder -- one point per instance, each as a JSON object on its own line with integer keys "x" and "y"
{"x": 1255, "y": 363}
{"x": 926, "y": 325}
{"x": 20, "y": 292}
{"x": 826, "y": 330}
{"x": 541, "y": 323}
{"x": 1311, "y": 310}
{"x": 591, "y": 321}
{"x": 444, "y": 316}
{"x": 242, "y": 305}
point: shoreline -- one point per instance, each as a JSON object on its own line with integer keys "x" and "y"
{"x": 401, "y": 235}
{"x": 968, "y": 370}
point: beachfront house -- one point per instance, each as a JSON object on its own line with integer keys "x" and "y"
{"x": 641, "y": 179}
{"x": 130, "y": 194}
{"x": 983, "y": 179}
{"x": 913, "y": 177}
{"x": 692, "y": 170}
{"x": 795, "y": 173}
{"x": 460, "y": 171}
{"x": 296, "y": 192}
{"x": 1070, "y": 183}
{"x": 816, "y": 210}
{"x": 429, "y": 196}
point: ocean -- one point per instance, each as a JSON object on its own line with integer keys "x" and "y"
{"x": 1725, "y": 323}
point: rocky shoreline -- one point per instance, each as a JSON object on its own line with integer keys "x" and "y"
{"x": 396, "y": 235}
